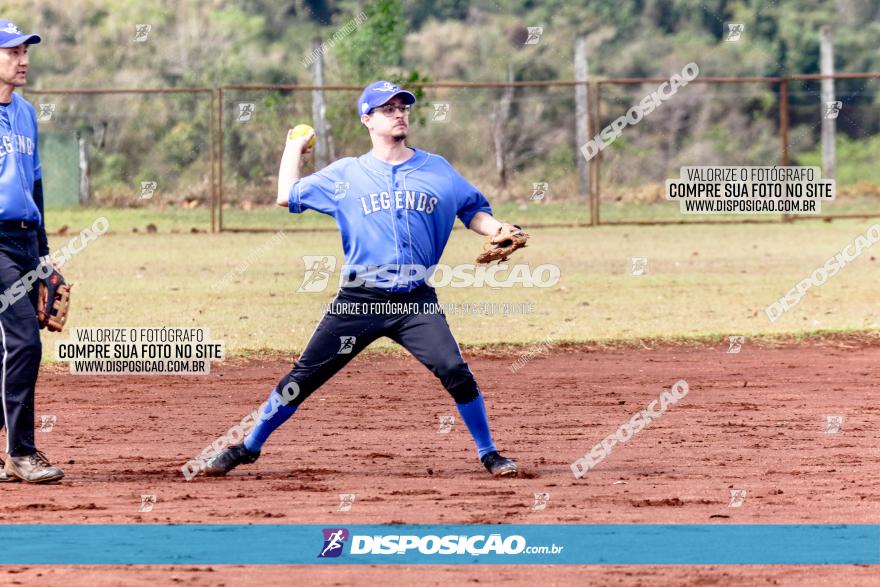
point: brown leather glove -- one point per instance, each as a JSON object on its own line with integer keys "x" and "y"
{"x": 54, "y": 302}
{"x": 508, "y": 239}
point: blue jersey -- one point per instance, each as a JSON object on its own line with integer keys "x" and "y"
{"x": 19, "y": 161}
{"x": 390, "y": 216}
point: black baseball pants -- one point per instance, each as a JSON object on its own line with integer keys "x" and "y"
{"x": 359, "y": 316}
{"x": 19, "y": 339}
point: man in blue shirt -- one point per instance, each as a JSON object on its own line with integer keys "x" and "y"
{"x": 22, "y": 243}
{"x": 395, "y": 207}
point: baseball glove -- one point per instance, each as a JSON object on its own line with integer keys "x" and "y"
{"x": 54, "y": 302}
{"x": 508, "y": 239}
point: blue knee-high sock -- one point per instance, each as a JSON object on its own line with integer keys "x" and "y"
{"x": 273, "y": 414}
{"x": 474, "y": 415}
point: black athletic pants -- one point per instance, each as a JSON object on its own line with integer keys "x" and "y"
{"x": 360, "y": 315}
{"x": 19, "y": 341}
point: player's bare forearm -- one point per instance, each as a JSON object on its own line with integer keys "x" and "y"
{"x": 288, "y": 171}
{"x": 485, "y": 224}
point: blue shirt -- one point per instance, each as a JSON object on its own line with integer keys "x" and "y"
{"x": 19, "y": 161}
{"x": 390, "y": 216}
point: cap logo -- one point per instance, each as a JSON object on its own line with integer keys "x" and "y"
{"x": 364, "y": 107}
{"x": 12, "y": 29}
{"x": 387, "y": 87}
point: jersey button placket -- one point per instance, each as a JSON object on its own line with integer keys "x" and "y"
{"x": 402, "y": 243}
{"x": 395, "y": 219}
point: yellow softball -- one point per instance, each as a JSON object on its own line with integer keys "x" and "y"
{"x": 301, "y": 130}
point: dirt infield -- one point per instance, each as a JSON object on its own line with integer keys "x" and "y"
{"x": 755, "y": 421}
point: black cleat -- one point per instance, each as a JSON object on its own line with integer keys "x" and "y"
{"x": 499, "y": 466}
{"x": 228, "y": 459}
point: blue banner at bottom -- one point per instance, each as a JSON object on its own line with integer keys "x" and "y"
{"x": 564, "y": 544}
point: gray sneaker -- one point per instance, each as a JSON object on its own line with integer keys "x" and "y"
{"x": 33, "y": 468}
{"x": 4, "y": 478}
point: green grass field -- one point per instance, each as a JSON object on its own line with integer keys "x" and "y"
{"x": 705, "y": 281}
{"x": 175, "y": 219}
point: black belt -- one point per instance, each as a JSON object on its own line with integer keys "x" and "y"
{"x": 17, "y": 225}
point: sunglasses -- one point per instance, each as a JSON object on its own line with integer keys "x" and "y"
{"x": 391, "y": 109}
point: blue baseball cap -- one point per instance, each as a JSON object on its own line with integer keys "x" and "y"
{"x": 378, "y": 93}
{"x": 11, "y": 36}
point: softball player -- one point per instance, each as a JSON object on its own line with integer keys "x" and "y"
{"x": 22, "y": 243}
{"x": 395, "y": 207}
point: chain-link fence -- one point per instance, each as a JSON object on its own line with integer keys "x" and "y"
{"x": 505, "y": 139}
{"x": 208, "y": 158}
{"x": 129, "y": 151}
{"x": 714, "y": 122}
{"x": 519, "y": 142}
{"x": 62, "y": 152}
{"x": 856, "y": 113}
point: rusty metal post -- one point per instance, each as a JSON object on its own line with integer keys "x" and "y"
{"x": 596, "y": 110}
{"x": 582, "y": 114}
{"x": 220, "y": 161}
{"x": 828, "y": 131}
{"x": 783, "y": 120}
{"x": 213, "y": 176}
{"x": 783, "y": 130}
